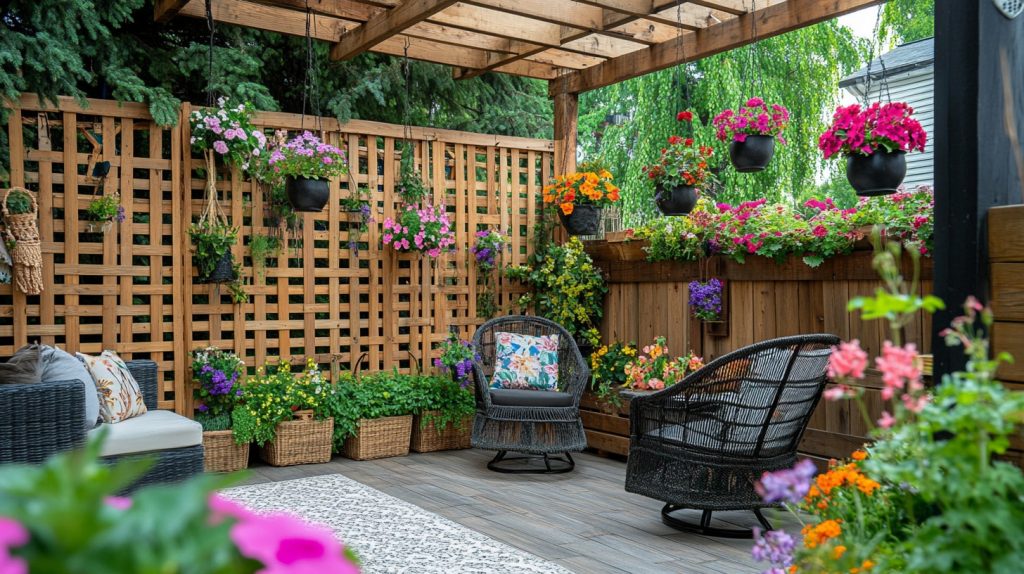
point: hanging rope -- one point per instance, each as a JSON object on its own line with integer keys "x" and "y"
{"x": 871, "y": 60}
{"x": 211, "y": 26}
{"x": 682, "y": 80}
{"x": 212, "y": 212}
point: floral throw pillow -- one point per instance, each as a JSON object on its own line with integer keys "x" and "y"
{"x": 120, "y": 395}
{"x": 526, "y": 362}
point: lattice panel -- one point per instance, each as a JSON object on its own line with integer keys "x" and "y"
{"x": 117, "y": 289}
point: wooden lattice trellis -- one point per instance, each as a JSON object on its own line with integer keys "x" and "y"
{"x": 131, "y": 288}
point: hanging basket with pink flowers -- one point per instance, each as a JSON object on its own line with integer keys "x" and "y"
{"x": 752, "y": 131}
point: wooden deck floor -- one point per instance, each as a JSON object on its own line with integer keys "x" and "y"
{"x": 583, "y": 520}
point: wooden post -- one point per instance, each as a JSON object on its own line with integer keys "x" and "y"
{"x": 566, "y": 117}
{"x": 975, "y": 148}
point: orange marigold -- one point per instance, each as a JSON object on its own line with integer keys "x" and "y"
{"x": 859, "y": 455}
{"x": 838, "y": 552}
{"x": 815, "y": 535}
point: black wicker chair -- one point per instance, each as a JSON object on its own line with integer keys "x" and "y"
{"x": 541, "y": 423}
{"x": 704, "y": 443}
{"x": 42, "y": 419}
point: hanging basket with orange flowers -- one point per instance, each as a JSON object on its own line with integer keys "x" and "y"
{"x": 579, "y": 197}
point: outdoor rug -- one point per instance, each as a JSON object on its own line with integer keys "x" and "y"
{"x": 390, "y": 535}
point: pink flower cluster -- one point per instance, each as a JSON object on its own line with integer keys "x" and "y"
{"x": 753, "y": 118}
{"x": 12, "y": 535}
{"x": 427, "y": 230}
{"x": 283, "y": 543}
{"x": 862, "y": 131}
{"x": 901, "y": 375}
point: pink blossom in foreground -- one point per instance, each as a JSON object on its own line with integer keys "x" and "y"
{"x": 847, "y": 360}
{"x": 898, "y": 366}
{"x": 12, "y": 534}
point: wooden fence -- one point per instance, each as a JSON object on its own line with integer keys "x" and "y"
{"x": 1006, "y": 256}
{"x": 130, "y": 289}
{"x": 763, "y": 300}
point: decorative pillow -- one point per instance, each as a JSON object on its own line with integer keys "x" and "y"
{"x": 61, "y": 366}
{"x": 526, "y": 362}
{"x": 119, "y": 393}
{"x": 23, "y": 367}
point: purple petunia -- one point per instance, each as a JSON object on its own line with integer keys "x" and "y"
{"x": 787, "y": 485}
{"x": 706, "y": 299}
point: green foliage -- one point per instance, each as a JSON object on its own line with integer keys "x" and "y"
{"x": 442, "y": 401}
{"x": 565, "y": 287}
{"x": 104, "y": 208}
{"x": 608, "y": 370}
{"x": 800, "y": 70}
{"x": 410, "y": 182}
{"x": 73, "y": 527}
{"x": 19, "y": 202}
{"x": 214, "y": 422}
{"x": 211, "y": 240}
{"x": 260, "y": 247}
{"x": 908, "y": 20}
{"x": 385, "y": 394}
{"x": 273, "y": 395}
{"x": 215, "y": 374}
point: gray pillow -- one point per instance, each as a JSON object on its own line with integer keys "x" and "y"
{"x": 23, "y": 367}
{"x": 61, "y": 366}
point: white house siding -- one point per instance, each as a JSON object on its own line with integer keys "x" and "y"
{"x": 916, "y": 88}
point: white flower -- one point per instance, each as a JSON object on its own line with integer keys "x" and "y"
{"x": 192, "y": 140}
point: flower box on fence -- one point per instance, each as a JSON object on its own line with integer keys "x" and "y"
{"x": 427, "y": 438}
{"x": 301, "y": 441}
{"x": 380, "y": 438}
{"x": 222, "y": 454}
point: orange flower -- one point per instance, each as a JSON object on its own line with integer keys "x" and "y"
{"x": 864, "y": 567}
{"x": 859, "y": 455}
{"x": 820, "y": 533}
{"x": 838, "y": 552}
{"x": 567, "y": 208}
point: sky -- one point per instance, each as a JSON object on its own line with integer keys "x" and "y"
{"x": 862, "y": 22}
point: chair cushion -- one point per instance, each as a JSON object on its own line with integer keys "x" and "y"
{"x": 120, "y": 395}
{"x": 525, "y": 362}
{"x": 527, "y": 398}
{"x": 61, "y": 366}
{"x": 153, "y": 430}
{"x": 24, "y": 367}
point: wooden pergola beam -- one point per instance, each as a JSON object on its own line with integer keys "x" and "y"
{"x": 383, "y": 26}
{"x": 771, "y": 21}
{"x": 165, "y": 10}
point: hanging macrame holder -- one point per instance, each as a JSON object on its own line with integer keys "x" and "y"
{"x": 23, "y": 230}
{"x": 212, "y": 213}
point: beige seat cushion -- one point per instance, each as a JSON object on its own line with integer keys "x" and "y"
{"x": 154, "y": 430}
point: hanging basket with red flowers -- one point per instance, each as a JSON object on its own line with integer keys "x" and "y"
{"x": 680, "y": 173}
{"x": 579, "y": 198}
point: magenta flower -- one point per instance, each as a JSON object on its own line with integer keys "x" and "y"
{"x": 220, "y": 147}
{"x": 12, "y": 534}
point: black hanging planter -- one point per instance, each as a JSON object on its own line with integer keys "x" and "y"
{"x": 223, "y": 272}
{"x": 880, "y": 173}
{"x": 307, "y": 194}
{"x": 678, "y": 200}
{"x": 584, "y": 220}
{"x": 752, "y": 154}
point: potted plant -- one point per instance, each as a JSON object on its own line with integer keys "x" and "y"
{"x": 260, "y": 248}
{"x": 217, "y": 391}
{"x": 706, "y": 300}
{"x": 489, "y": 244}
{"x": 655, "y": 369}
{"x": 21, "y": 220}
{"x": 457, "y": 356}
{"x": 608, "y": 372}
{"x": 579, "y": 198}
{"x": 307, "y": 164}
{"x": 373, "y": 415}
{"x": 423, "y": 229}
{"x": 410, "y": 185}
{"x": 267, "y": 415}
{"x": 212, "y": 259}
{"x": 875, "y": 141}
{"x": 358, "y": 203}
{"x": 752, "y": 131}
{"x": 680, "y": 173}
{"x": 566, "y": 287}
{"x": 444, "y": 415}
{"x": 105, "y": 211}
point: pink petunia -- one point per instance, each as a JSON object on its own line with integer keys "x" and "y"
{"x": 847, "y": 360}
{"x": 220, "y": 147}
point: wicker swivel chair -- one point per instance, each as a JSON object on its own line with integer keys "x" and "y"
{"x": 541, "y": 423}
{"x": 705, "y": 442}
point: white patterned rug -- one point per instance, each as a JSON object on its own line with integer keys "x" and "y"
{"x": 390, "y": 535}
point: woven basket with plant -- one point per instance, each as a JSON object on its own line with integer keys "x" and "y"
{"x": 21, "y": 218}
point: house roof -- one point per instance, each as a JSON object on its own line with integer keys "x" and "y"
{"x": 904, "y": 58}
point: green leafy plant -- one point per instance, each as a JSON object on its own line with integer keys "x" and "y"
{"x": 608, "y": 370}
{"x": 64, "y": 517}
{"x": 260, "y": 248}
{"x": 211, "y": 239}
{"x": 457, "y": 356}
{"x": 384, "y": 394}
{"x": 19, "y": 202}
{"x": 306, "y": 155}
{"x": 565, "y": 286}
{"x": 274, "y": 394}
{"x": 358, "y": 202}
{"x": 410, "y": 186}
{"x": 106, "y": 209}
{"x": 442, "y": 401}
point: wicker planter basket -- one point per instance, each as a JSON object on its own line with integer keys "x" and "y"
{"x": 380, "y": 438}
{"x": 23, "y": 230}
{"x": 427, "y": 439}
{"x": 300, "y": 442}
{"x": 222, "y": 454}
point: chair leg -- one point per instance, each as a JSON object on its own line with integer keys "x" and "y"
{"x": 562, "y": 465}
{"x": 704, "y": 527}
{"x": 764, "y": 521}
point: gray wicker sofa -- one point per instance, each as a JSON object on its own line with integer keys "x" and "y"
{"x": 38, "y": 420}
